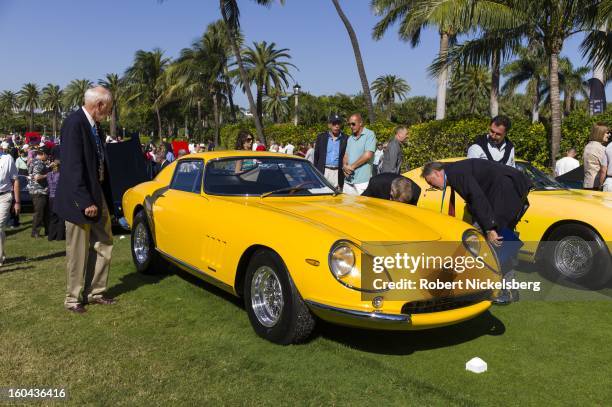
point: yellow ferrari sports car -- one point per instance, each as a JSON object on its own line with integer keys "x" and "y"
{"x": 567, "y": 231}
{"x": 270, "y": 229}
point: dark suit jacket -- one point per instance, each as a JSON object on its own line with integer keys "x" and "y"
{"x": 495, "y": 193}
{"x": 78, "y": 185}
{"x": 320, "y": 154}
{"x": 380, "y": 187}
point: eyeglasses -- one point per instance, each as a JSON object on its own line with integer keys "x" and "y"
{"x": 249, "y": 139}
{"x": 353, "y": 124}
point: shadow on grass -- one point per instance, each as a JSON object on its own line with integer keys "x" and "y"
{"x": 408, "y": 342}
{"x": 24, "y": 259}
{"x": 5, "y": 269}
{"x": 22, "y": 226}
{"x": 535, "y": 268}
{"x": 133, "y": 281}
{"x": 224, "y": 295}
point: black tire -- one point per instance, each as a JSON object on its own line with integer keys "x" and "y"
{"x": 590, "y": 265}
{"x": 146, "y": 261}
{"x": 293, "y": 323}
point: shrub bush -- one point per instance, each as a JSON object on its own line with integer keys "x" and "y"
{"x": 439, "y": 139}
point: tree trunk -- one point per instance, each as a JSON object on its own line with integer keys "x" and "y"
{"x": 230, "y": 96}
{"x": 31, "y": 119}
{"x": 159, "y": 123}
{"x": 186, "y": 128}
{"x": 200, "y": 123}
{"x": 216, "y": 115}
{"x": 555, "y": 108}
{"x": 360, "y": 68}
{"x": 441, "y": 97}
{"x": 567, "y": 104}
{"x": 113, "y": 123}
{"x": 535, "y": 108}
{"x": 494, "y": 97}
{"x": 243, "y": 75}
{"x": 260, "y": 103}
{"x": 54, "y": 124}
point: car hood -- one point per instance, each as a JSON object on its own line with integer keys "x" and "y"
{"x": 578, "y": 197}
{"x": 361, "y": 218}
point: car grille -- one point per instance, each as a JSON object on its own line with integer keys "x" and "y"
{"x": 445, "y": 303}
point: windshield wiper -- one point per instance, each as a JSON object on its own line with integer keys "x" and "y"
{"x": 298, "y": 187}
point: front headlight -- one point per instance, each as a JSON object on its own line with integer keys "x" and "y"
{"x": 472, "y": 242}
{"x": 342, "y": 260}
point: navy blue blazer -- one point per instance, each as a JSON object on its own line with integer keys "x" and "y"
{"x": 79, "y": 186}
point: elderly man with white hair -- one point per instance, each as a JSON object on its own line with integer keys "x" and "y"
{"x": 82, "y": 198}
{"x": 9, "y": 185}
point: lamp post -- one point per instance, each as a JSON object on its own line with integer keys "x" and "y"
{"x": 296, "y": 94}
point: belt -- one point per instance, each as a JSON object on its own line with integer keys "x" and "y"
{"x": 331, "y": 168}
{"x": 5, "y": 192}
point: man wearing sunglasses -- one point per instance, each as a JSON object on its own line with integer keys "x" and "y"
{"x": 359, "y": 157}
{"x": 494, "y": 146}
{"x": 329, "y": 150}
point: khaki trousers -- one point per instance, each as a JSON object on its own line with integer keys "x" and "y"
{"x": 5, "y": 213}
{"x": 88, "y": 256}
{"x": 332, "y": 176}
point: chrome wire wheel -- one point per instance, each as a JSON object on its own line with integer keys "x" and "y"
{"x": 573, "y": 256}
{"x": 141, "y": 243}
{"x": 266, "y": 296}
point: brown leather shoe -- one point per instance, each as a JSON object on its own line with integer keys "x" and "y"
{"x": 77, "y": 309}
{"x": 102, "y": 301}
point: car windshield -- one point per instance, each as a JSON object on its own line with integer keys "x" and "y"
{"x": 541, "y": 181}
{"x": 264, "y": 176}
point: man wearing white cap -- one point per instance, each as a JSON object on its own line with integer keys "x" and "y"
{"x": 9, "y": 184}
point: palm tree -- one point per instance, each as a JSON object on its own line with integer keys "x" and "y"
{"x": 572, "y": 83}
{"x": 114, "y": 84}
{"x": 471, "y": 84}
{"x": 29, "y": 99}
{"x": 10, "y": 101}
{"x": 74, "y": 94}
{"x": 217, "y": 42}
{"x": 358, "y": 60}
{"x": 531, "y": 68}
{"x": 201, "y": 74}
{"x": 548, "y": 23}
{"x": 597, "y": 45}
{"x": 51, "y": 100}
{"x": 275, "y": 105}
{"x": 145, "y": 81}
{"x": 388, "y": 88}
{"x": 452, "y": 17}
{"x": 231, "y": 18}
{"x": 267, "y": 68}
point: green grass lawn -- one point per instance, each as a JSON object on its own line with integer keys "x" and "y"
{"x": 175, "y": 340}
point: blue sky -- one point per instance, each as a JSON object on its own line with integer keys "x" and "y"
{"x": 56, "y": 41}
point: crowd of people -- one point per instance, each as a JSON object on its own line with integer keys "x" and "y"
{"x": 35, "y": 164}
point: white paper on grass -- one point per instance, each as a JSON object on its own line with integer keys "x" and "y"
{"x": 476, "y": 365}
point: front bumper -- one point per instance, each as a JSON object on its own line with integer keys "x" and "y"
{"x": 396, "y": 322}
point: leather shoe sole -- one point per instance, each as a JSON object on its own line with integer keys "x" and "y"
{"x": 102, "y": 301}
{"x": 77, "y": 309}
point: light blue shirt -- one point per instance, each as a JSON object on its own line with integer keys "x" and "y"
{"x": 355, "y": 147}
{"x": 333, "y": 150}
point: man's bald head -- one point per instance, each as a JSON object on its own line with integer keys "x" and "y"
{"x": 98, "y": 102}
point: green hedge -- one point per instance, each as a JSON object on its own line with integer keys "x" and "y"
{"x": 576, "y": 128}
{"x": 446, "y": 138}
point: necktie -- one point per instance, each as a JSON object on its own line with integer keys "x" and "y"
{"x": 451, "y": 203}
{"x": 99, "y": 152}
